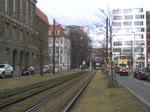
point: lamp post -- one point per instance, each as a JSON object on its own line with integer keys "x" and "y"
{"x": 133, "y": 50}
{"x": 80, "y": 57}
{"x": 68, "y": 61}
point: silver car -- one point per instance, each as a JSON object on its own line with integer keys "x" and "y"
{"x": 6, "y": 70}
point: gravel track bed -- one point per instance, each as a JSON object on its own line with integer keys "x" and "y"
{"x": 61, "y": 101}
{"x": 15, "y": 83}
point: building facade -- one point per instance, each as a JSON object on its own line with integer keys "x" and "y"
{"x": 18, "y": 34}
{"x": 41, "y": 36}
{"x": 148, "y": 35}
{"x": 62, "y": 48}
{"x": 129, "y": 30}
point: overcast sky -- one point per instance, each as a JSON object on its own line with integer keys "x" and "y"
{"x": 81, "y": 12}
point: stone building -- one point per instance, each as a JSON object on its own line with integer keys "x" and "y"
{"x": 17, "y": 33}
{"x": 41, "y": 31}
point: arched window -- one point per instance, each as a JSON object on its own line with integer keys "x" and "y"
{"x": 61, "y": 60}
{"x": 7, "y": 55}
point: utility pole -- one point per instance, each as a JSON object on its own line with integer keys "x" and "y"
{"x": 141, "y": 54}
{"x": 106, "y": 39}
{"x": 111, "y": 63}
{"x": 54, "y": 46}
{"x": 103, "y": 54}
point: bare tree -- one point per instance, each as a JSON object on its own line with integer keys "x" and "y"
{"x": 80, "y": 45}
{"x": 105, "y": 26}
{"x": 41, "y": 45}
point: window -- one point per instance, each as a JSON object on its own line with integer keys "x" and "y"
{"x": 6, "y": 30}
{"x": 138, "y": 23}
{"x": 139, "y": 29}
{"x": 21, "y": 32}
{"x": 139, "y": 50}
{"x": 116, "y": 11}
{"x": 21, "y": 10}
{"x": 61, "y": 50}
{"x": 27, "y": 9}
{"x": 14, "y": 32}
{"x": 128, "y": 17}
{"x": 122, "y": 57}
{"x": 127, "y": 11}
{"x": 139, "y": 16}
{"x": 116, "y": 24}
{"x": 6, "y": 6}
{"x": 117, "y": 50}
{"x": 7, "y": 55}
{"x": 139, "y": 36}
{"x": 127, "y": 23}
{"x": 61, "y": 40}
{"x": 57, "y": 49}
{"x": 50, "y": 40}
{"x": 61, "y": 58}
{"x": 127, "y": 50}
{"x": 32, "y": 14}
{"x": 138, "y": 10}
{"x": 117, "y": 18}
{"x": 118, "y": 43}
{"x": 58, "y": 32}
{"x": 128, "y": 30}
{"x": 139, "y": 44}
{"x": 50, "y": 50}
{"x": 14, "y": 8}
{"x": 57, "y": 40}
{"x": 27, "y": 38}
{"x": 50, "y": 33}
{"x": 128, "y": 43}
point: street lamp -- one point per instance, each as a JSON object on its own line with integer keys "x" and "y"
{"x": 134, "y": 50}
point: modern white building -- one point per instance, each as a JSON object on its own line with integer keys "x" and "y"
{"x": 129, "y": 34}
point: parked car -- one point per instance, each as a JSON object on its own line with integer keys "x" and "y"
{"x": 46, "y": 69}
{"x": 148, "y": 76}
{"x": 142, "y": 73}
{"x": 123, "y": 71}
{"x": 6, "y": 70}
{"x": 25, "y": 71}
{"x": 31, "y": 70}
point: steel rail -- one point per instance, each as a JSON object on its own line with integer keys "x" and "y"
{"x": 56, "y": 94}
{"x": 37, "y": 92}
{"x": 73, "y": 100}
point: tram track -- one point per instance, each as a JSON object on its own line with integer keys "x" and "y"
{"x": 17, "y": 96}
{"x": 66, "y": 101}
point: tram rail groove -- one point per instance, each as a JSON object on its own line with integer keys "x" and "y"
{"x": 67, "y": 78}
{"x": 73, "y": 100}
{"x": 58, "y": 93}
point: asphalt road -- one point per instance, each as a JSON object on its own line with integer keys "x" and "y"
{"x": 140, "y": 88}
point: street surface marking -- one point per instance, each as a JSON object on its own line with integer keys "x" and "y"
{"x": 147, "y": 84}
{"x": 136, "y": 81}
{"x": 129, "y": 77}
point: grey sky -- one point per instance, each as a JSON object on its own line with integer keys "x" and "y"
{"x": 81, "y": 12}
